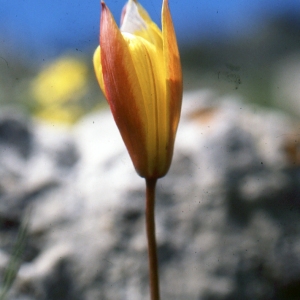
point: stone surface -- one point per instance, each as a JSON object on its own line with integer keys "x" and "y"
{"x": 227, "y": 212}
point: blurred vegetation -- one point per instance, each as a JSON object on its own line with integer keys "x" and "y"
{"x": 15, "y": 259}
{"x": 245, "y": 66}
{"x": 60, "y": 91}
{"x": 65, "y": 89}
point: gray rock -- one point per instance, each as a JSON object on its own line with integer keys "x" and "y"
{"x": 227, "y": 212}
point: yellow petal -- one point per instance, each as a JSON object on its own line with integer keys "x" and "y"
{"x": 173, "y": 67}
{"x": 138, "y": 22}
{"x": 152, "y": 27}
{"x": 98, "y": 68}
{"x": 138, "y": 69}
{"x": 123, "y": 91}
{"x": 147, "y": 62}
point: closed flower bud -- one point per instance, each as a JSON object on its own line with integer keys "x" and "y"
{"x": 139, "y": 71}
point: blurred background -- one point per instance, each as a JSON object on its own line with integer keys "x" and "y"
{"x": 249, "y": 48}
{"x": 235, "y": 235}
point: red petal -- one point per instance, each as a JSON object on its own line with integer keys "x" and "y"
{"x": 123, "y": 92}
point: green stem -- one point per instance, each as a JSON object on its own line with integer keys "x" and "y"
{"x": 150, "y": 228}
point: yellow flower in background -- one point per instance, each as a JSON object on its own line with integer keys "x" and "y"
{"x": 60, "y": 114}
{"x": 138, "y": 69}
{"x": 58, "y": 88}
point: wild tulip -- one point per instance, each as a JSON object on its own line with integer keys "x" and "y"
{"x": 138, "y": 69}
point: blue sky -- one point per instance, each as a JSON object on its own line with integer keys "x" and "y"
{"x": 43, "y": 28}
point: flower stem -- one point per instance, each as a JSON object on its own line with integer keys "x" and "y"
{"x": 150, "y": 228}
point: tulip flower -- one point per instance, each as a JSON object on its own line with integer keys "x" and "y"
{"x": 138, "y": 69}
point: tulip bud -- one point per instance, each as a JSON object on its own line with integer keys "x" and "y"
{"x": 138, "y": 69}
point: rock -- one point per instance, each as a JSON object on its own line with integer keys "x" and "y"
{"x": 15, "y": 133}
{"x": 227, "y": 212}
